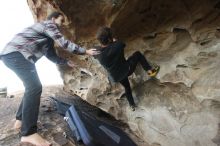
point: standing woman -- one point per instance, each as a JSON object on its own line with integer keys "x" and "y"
{"x": 20, "y": 55}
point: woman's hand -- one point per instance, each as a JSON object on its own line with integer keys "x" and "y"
{"x": 92, "y": 52}
{"x": 71, "y": 64}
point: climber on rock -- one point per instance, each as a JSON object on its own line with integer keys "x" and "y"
{"x": 118, "y": 68}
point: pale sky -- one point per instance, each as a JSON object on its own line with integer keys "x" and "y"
{"x": 15, "y": 15}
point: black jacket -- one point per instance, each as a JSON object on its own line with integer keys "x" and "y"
{"x": 113, "y": 60}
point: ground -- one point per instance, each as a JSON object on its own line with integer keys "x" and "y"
{"x": 50, "y": 124}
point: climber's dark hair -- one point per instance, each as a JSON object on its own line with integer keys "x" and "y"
{"x": 104, "y": 35}
{"x": 54, "y": 15}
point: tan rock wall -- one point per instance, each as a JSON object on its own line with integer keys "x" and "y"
{"x": 182, "y": 107}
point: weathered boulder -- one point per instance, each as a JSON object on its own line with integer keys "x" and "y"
{"x": 182, "y": 107}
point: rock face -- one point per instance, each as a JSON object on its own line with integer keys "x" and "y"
{"x": 181, "y": 107}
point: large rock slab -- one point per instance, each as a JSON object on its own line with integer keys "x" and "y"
{"x": 182, "y": 106}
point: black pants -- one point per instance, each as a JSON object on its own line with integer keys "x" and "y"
{"x": 133, "y": 60}
{"x": 29, "y": 106}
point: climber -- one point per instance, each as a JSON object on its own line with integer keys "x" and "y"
{"x": 20, "y": 55}
{"x": 118, "y": 68}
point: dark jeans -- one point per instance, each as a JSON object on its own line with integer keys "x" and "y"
{"x": 29, "y": 106}
{"x": 133, "y": 60}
